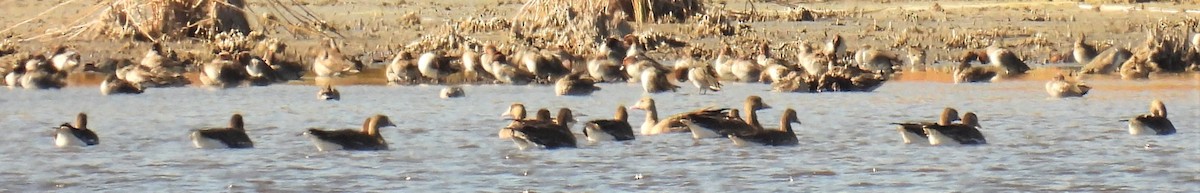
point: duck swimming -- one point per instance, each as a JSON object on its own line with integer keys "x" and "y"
{"x": 1153, "y": 123}
{"x": 543, "y": 134}
{"x": 366, "y": 139}
{"x": 616, "y": 129}
{"x": 784, "y": 136}
{"x": 67, "y": 135}
{"x": 717, "y": 123}
{"x": 911, "y": 132}
{"x": 233, "y": 136}
{"x": 329, "y": 93}
{"x": 965, "y": 133}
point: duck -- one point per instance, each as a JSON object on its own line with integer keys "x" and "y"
{"x": 744, "y": 69}
{"x": 543, "y": 134}
{"x": 1108, "y": 61}
{"x": 41, "y": 75}
{"x": 508, "y": 74}
{"x": 708, "y": 123}
{"x": 65, "y": 59}
{"x": 965, "y": 133}
{"x": 655, "y": 81}
{"x": 1136, "y": 68}
{"x": 615, "y": 129}
{"x": 329, "y": 61}
{"x": 602, "y": 69}
{"x": 13, "y": 78}
{"x": 794, "y": 82}
{"x": 1060, "y": 87}
{"x": 154, "y": 57}
{"x": 723, "y": 65}
{"x": 402, "y": 70}
{"x": 78, "y": 135}
{"x": 774, "y": 72}
{"x": 366, "y": 139}
{"x": 222, "y": 72}
{"x": 435, "y": 66}
{"x": 876, "y": 60}
{"x": 635, "y": 65}
{"x": 1083, "y": 53}
{"x": 917, "y": 58}
{"x": 114, "y": 85}
{"x": 1006, "y": 60}
{"x": 704, "y": 77}
{"x": 764, "y": 57}
{"x": 652, "y": 125}
{"x": 1153, "y": 123}
{"x": 914, "y": 131}
{"x": 565, "y": 118}
{"x": 516, "y": 112}
{"x": 575, "y": 84}
{"x": 965, "y": 73}
{"x": 329, "y": 93}
{"x": 784, "y": 136}
{"x": 473, "y": 69}
{"x": 233, "y": 136}
{"x": 452, "y": 92}
{"x": 259, "y": 73}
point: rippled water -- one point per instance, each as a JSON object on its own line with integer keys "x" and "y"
{"x": 1037, "y": 143}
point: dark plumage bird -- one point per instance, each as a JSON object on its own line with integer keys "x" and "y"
{"x": 543, "y": 134}
{"x": 329, "y": 93}
{"x": 114, "y": 85}
{"x": 965, "y": 133}
{"x": 718, "y": 123}
{"x": 575, "y": 85}
{"x": 233, "y": 136}
{"x": 366, "y": 139}
{"x": 1155, "y": 122}
{"x": 784, "y": 136}
{"x": 616, "y": 129}
{"x": 78, "y": 135}
{"x": 916, "y": 131}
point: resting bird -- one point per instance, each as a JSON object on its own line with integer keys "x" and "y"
{"x": 1155, "y": 122}
{"x": 965, "y": 133}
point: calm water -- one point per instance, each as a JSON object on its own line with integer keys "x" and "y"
{"x": 1037, "y": 143}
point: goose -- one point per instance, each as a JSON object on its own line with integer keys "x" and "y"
{"x": 965, "y": 133}
{"x": 744, "y": 69}
{"x": 603, "y": 69}
{"x": 329, "y": 61}
{"x": 487, "y": 57}
{"x": 574, "y": 84}
{"x": 452, "y": 92}
{"x": 1108, "y": 61}
{"x": 915, "y": 131}
{"x": 1136, "y": 68}
{"x": 41, "y": 75}
{"x": 13, "y": 78}
{"x": 402, "y": 70}
{"x": 1153, "y": 123}
{"x": 517, "y": 113}
{"x": 917, "y": 58}
{"x": 1083, "y": 52}
{"x": 233, "y": 136}
{"x": 784, "y": 136}
{"x": 965, "y": 73}
{"x": 876, "y": 60}
{"x": 774, "y": 73}
{"x": 435, "y": 66}
{"x": 654, "y": 126}
{"x": 812, "y": 61}
{"x": 655, "y": 81}
{"x": 723, "y": 65}
{"x": 565, "y": 118}
{"x": 221, "y": 72}
{"x": 704, "y": 77}
{"x": 114, "y": 85}
{"x": 64, "y": 59}
{"x": 67, "y": 135}
{"x": 473, "y": 69}
{"x": 543, "y": 134}
{"x": 259, "y": 73}
{"x": 616, "y": 129}
{"x": 793, "y": 82}
{"x": 329, "y": 93}
{"x": 1007, "y": 60}
{"x": 153, "y": 57}
{"x": 764, "y": 57}
{"x": 1060, "y": 87}
{"x": 509, "y": 74}
{"x": 716, "y": 123}
{"x": 366, "y": 139}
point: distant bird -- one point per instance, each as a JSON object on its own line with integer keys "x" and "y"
{"x": 704, "y": 77}
{"x": 508, "y": 74}
{"x": 715, "y": 123}
{"x": 435, "y": 66}
{"x": 154, "y": 57}
{"x": 965, "y": 133}
{"x": 1007, "y": 60}
{"x": 744, "y": 69}
{"x": 784, "y": 136}
{"x": 222, "y": 72}
{"x": 877, "y": 60}
{"x": 517, "y": 113}
{"x": 39, "y": 74}
{"x": 602, "y": 69}
{"x": 917, "y": 58}
{"x": 65, "y": 59}
{"x": 1083, "y": 52}
{"x": 655, "y": 81}
{"x": 67, "y": 135}
{"x": 616, "y": 129}
{"x": 1108, "y": 61}
{"x": 329, "y": 93}
{"x": 1153, "y": 123}
{"x": 452, "y": 92}
{"x": 723, "y": 64}
{"x": 652, "y": 125}
{"x": 1061, "y": 87}
{"x": 330, "y": 61}
{"x": 233, "y": 136}
{"x": 965, "y": 73}
{"x": 366, "y": 139}
{"x": 114, "y": 85}
{"x": 543, "y": 134}
{"x": 575, "y": 85}
{"x": 13, "y": 78}
{"x": 565, "y": 118}
{"x": 402, "y": 70}
{"x": 915, "y": 131}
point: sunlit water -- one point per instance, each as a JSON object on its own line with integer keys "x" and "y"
{"x": 847, "y": 145}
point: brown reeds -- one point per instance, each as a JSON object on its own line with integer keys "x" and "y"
{"x": 158, "y": 20}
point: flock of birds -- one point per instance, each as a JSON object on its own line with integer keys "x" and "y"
{"x": 546, "y": 132}
{"x": 823, "y": 68}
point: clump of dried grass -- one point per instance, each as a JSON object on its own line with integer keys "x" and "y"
{"x": 411, "y": 18}
{"x": 476, "y": 25}
{"x": 159, "y": 20}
